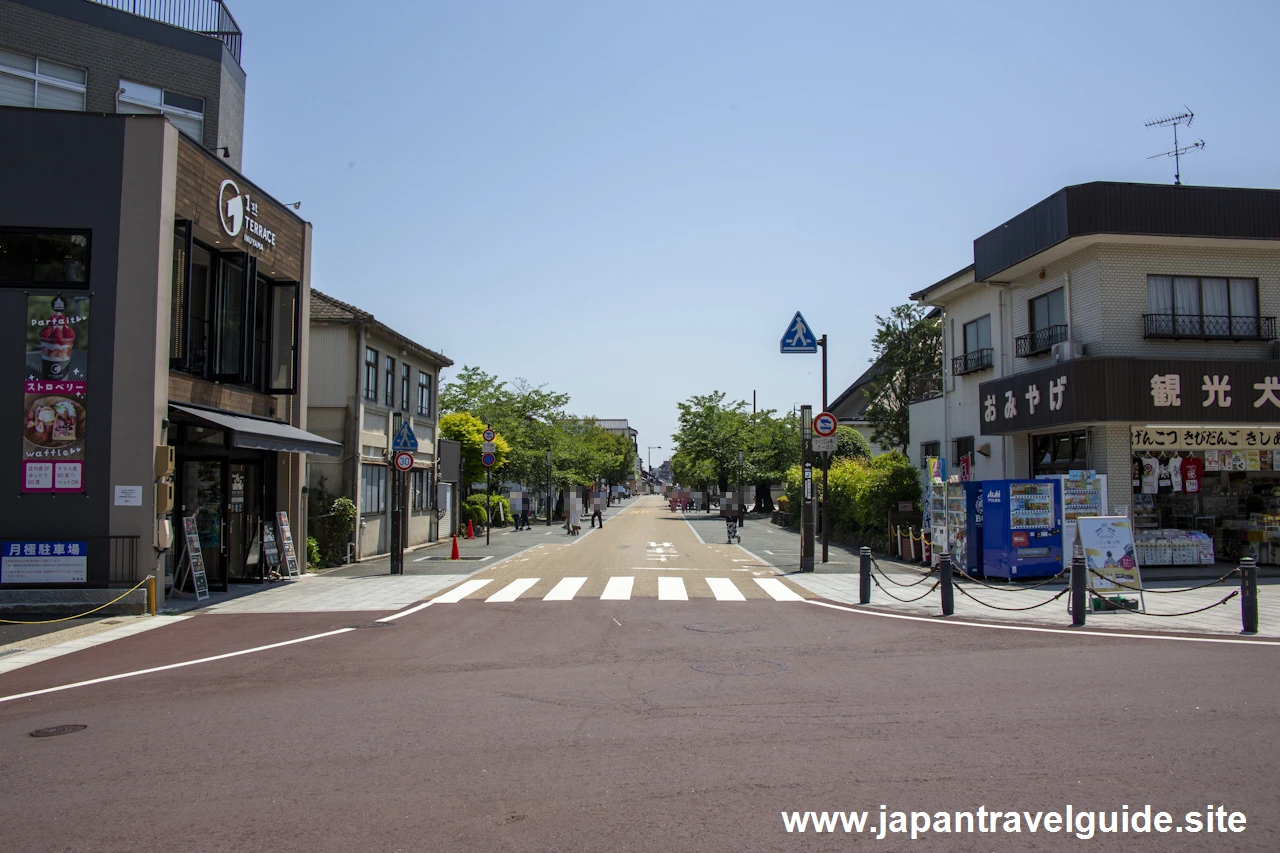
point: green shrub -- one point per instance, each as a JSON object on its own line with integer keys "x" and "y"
{"x": 338, "y": 526}
{"x": 863, "y": 492}
{"x": 313, "y": 554}
{"x": 478, "y": 503}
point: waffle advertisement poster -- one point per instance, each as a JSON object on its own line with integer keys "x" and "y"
{"x": 54, "y": 393}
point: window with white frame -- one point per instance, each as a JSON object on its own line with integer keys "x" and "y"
{"x": 420, "y": 489}
{"x": 29, "y": 81}
{"x": 186, "y": 112}
{"x": 373, "y": 488}
{"x": 424, "y": 394}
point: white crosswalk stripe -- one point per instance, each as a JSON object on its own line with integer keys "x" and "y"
{"x": 672, "y": 589}
{"x": 618, "y": 589}
{"x": 724, "y": 590}
{"x": 565, "y": 590}
{"x": 512, "y": 591}
{"x": 777, "y": 589}
{"x": 460, "y": 592}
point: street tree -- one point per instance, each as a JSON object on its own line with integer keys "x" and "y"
{"x": 468, "y": 430}
{"x": 907, "y": 345}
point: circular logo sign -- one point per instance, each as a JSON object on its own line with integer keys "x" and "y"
{"x": 488, "y": 459}
{"x": 230, "y": 208}
{"x": 824, "y": 424}
{"x": 404, "y": 461}
{"x": 1126, "y": 562}
{"x": 489, "y": 435}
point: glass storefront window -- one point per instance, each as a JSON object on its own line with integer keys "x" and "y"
{"x": 284, "y": 337}
{"x": 27, "y": 257}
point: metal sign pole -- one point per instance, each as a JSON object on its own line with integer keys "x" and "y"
{"x": 806, "y": 510}
{"x": 397, "y": 551}
{"x": 826, "y": 460}
{"x": 488, "y": 503}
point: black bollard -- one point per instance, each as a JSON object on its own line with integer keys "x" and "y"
{"x": 1249, "y": 595}
{"x": 1079, "y": 591}
{"x": 864, "y": 576}
{"x": 948, "y": 595}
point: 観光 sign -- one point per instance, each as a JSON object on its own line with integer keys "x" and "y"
{"x": 1141, "y": 391}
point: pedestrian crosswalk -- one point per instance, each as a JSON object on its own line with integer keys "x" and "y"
{"x": 619, "y": 589}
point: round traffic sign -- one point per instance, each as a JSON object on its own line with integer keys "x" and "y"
{"x": 824, "y": 424}
{"x": 404, "y": 461}
{"x": 489, "y": 435}
{"x": 488, "y": 459}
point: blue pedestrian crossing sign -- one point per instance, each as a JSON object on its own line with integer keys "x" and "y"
{"x": 404, "y": 439}
{"x": 799, "y": 337}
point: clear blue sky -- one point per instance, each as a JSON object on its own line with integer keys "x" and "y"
{"x": 628, "y": 201}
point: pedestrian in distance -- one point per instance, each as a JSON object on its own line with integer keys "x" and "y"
{"x": 597, "y": 509}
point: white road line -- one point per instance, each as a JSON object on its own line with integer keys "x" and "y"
{"x": 777, "y": 590}
{"x": 512, "y": 591}
{"x": 672, "y": 589}
{"x": 415, "y": 609}
{"x": 1074, "y": 632}
{"x": 770, "y": 553}
{"x": 565, "y": 590}
{"x": 618, "y": 589}
{"x": 461, "y": 591}
{"x": 548, "y": 533}
{"x": 724, "y": 590}
{"x": 173, "y": 665}
{"x": 695, "y": 532}
{"x": 490, "y": 557}
{"x": 582, "y": 536}
{"x": 759, "y": 560}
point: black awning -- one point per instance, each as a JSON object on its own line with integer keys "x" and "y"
{"x": 260, "y": 434}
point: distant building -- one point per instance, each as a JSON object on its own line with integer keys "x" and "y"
{"x": 366, "y": 379}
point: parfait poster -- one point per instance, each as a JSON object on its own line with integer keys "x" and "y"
{"x": 56, "y": 380}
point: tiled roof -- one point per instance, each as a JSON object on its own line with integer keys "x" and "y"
{"x": 325, "y": 307}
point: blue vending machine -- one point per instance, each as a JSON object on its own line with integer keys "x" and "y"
{"x": 973, "y": 527}
{"x": 1022, "y": 535}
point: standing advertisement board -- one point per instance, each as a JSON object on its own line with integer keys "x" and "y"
{"x": 286, "y": 545}
{"x": 195, "y": 559}
{"x": 1110, "y": 557}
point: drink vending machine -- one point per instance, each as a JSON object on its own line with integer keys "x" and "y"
{"x": 1022, "y": 528}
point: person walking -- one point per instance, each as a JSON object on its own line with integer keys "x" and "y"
{"x": 597, "y": 509}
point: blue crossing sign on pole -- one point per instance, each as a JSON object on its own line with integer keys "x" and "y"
{"x": 798, "y": 337}
{"x": 404, "y": 439}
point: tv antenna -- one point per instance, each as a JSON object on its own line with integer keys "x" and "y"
{"x": 1184, "y": 118}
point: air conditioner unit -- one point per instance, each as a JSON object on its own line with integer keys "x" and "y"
{"x": 1068, "y": 350}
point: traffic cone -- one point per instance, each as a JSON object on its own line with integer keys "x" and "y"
{"x": 454, "y": 555}
{"x": 471, "y": 534}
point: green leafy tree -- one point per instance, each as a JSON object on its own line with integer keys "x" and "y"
{"x": 468, "y": 430}
{"x": 850, "y": 444}
{"x": 773, "y": 446}
{"x": 908, "y": 344}
{"x": 711, "y": 432}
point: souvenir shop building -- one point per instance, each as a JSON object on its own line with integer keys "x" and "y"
{"x": 160, "y": 299}
{"x": 1140, "y": 342}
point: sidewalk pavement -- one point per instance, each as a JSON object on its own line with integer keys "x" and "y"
{"x": 838, "y": 581}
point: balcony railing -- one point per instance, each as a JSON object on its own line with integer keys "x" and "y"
{"x": 926, "y": 386}
{"x": 1041, "y": 340}
{"x": 1209, "y": 327}
{"x": 972, "y": 362}
{"x": 207, "y": 17}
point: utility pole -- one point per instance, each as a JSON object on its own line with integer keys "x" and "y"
{"x": 806, "y": 505}
{"x": 826, "y": 459}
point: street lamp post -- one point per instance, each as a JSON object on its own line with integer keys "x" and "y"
{"x": 652, "y": 448}
{"x": 550, "y": 498}
{"x": 742, "y": 498}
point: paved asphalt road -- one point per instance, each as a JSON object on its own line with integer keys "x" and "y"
{"x": 644, "y": 724}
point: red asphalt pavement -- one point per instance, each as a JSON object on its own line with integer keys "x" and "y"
{"x": 584, "y": 726}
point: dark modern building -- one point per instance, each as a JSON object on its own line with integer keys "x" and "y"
{"x": 180, "y": 59}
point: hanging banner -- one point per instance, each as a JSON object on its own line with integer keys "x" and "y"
{"x": 56, "y": 349}
{"x": 286, "y": 544}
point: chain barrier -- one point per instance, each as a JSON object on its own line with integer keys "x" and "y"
{"x": 965, "y": 592}
{"x": 1234, "y": 571}
{"x": 1119, "y": 606}
{"x": 906, "y": 600}
{"x": 78, "y": 615}
{"x": 1046, "y": 582}
{"x": 876, "y": 566}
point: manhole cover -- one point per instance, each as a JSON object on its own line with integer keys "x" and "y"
{"x": 54, "y": 731}
{"x": 722, "y": 629}
{"x": 740, "y": 667}
{"x": 371, "y": 625}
